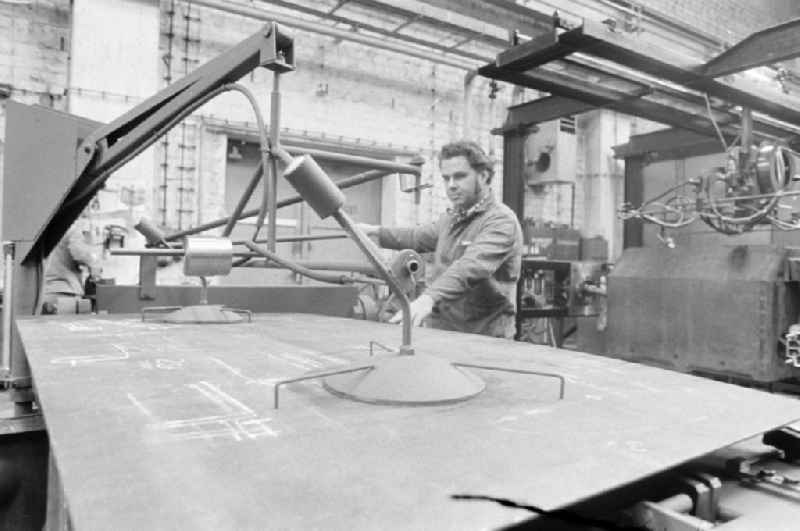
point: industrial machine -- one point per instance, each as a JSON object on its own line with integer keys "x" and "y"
{"x": 746, "y": 194}
{"x": 556, "y": 292}
{"x": 158, "y": 425}
{"x": 712, "y": 290}
{"x": 731, "y": 272}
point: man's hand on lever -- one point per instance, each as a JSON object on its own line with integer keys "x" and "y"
{"x": 421, "y": 308}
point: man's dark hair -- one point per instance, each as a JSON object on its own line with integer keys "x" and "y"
{"x": 471, "y": 151}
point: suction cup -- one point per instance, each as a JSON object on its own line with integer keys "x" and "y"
{"x": 414, "y": 380}
{"x": 198, "y": 314}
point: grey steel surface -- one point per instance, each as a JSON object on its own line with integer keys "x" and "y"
{"x": 39, "y": 167}
{"x": 172, "y": 427}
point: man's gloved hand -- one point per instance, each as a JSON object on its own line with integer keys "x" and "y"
{"x": 421, "y": 308}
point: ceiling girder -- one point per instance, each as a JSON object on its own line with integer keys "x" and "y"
{"x": 663, "y": 102}
{"x": 778, "y": 43}
{"x": 635, "y": 103}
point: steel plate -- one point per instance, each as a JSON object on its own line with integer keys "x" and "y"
{"x": 157, "y": 426}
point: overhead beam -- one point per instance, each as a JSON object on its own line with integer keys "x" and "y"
{"x": 591, "y": 74}
{"x": 630, "y": 103}
{"x": 422, "y": 18}
{"x": 335, "y": 8}
{"x": 393, "y": 44}
{"x": 595, "y": 39}
{"x": 543, "y": 110}
{"x": 537, "y": 51}
{"x": 410, "y": 17}
{"x": 505, "y": 14}
{"x": 668, "y": 144}
{"x": 778, "y": 43}
{"x": 405, "y": 23}
{"x": 461, "y": 43}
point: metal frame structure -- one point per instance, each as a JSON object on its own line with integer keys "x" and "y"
{"x": 573, "y": 65}
{"x": 85, "y": 158}
{"x": 74, "y": 176}
{"x": 593, "y": 66}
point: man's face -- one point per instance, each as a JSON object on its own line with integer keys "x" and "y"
{"x": 464, "y": 185}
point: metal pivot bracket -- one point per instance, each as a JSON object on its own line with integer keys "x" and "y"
{"x": 277, "y": 52}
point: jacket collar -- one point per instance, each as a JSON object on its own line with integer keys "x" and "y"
{"x": 458, "y": 215}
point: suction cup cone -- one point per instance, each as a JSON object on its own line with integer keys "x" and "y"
{"x": 417, "y": 380}
{"x": 203, "y": 313}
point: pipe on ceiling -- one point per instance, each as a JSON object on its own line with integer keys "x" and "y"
{"x": 466, "y": 63}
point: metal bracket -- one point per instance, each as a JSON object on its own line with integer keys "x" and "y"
{"x": 704, "y": 499}
{"x": 562, "y": 381}
{"x": 316, "y": 376}
{"x": 276, "y": 55}
{"x": 743, "y": 469}
{"x": 651, "y": 515}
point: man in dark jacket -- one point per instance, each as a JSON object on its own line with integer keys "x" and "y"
{"x": 64, "y": 273}
{"x": 477, "y": 247}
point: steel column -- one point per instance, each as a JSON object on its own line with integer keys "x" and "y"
{"x": 633, "y": 229}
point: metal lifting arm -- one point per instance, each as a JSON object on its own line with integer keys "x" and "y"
{"x": 110, "y": 146}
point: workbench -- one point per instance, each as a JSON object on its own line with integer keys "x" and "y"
{"x": 157, "y": 426}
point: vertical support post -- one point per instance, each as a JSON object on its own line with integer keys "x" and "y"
{"x": 747, "y": 140}
{"x": 8, "y": 308}
{"x": 746, "y": 155}
{"x": 27, "y": 300}
{"x": 633, "y": 229}
{"x": 514, "y": 193}
{"x": 747, "y": 130}
{"x": 272, "y": 181}
{"x": 513, "y": 171}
